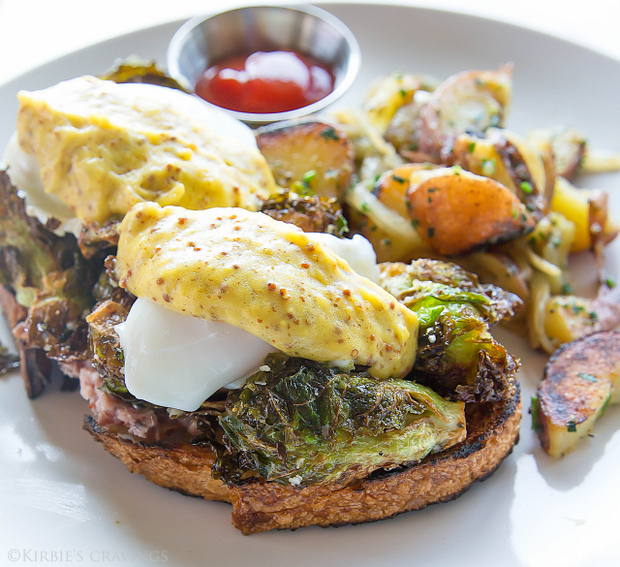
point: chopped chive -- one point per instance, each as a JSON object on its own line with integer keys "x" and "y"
{"x": 308, "y": 176}
{"x": 567, "y": 289}
{"x": 330, "y": 134}
{"x": 526, "y": 187}
{"x": 586, "y": 376}
{"x": 571, "y": 427}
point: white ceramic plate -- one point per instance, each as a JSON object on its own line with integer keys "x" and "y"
{"x": 63, "y": 499}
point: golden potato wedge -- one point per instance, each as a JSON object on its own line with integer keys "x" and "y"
{"x": 310, "y": 156}
{"x": 387, "y": 95}
{"x": 580, "y": 379}
{"x": 391, "y": 188}
{"x": 568, "y": 317}
{"x": 588, "y": 210}
{"x": 460, "y": 211}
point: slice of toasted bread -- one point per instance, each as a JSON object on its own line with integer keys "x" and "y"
{"x": 493, "y": 429}
{"x": 184, "y": 468}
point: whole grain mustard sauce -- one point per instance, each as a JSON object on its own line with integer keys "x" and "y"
{"x": 102, "y": 149}
{"x": 268, "y": 278}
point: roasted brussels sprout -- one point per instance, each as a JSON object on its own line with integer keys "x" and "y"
{"x": 304, "y": 423}
{"x": 457, "y": 355}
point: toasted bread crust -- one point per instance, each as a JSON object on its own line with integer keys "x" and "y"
{"x": 493, "y": 429}
{"x": 438, "y": 478}
{"x": 185, "y": 468}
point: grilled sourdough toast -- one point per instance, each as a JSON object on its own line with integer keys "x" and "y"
{"x": 492, "y": 431}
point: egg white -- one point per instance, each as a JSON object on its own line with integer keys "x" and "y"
{"x": 178, "y": 361}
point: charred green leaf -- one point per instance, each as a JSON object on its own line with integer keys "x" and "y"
{"x": 457, "y": 354}
{"x": 302, "y": 422}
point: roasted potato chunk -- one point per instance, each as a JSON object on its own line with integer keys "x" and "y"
{"x": 308, "y": 157}
{"x": 580, "y": 379}
{"x": 568, "y": 317}
{"x": 391, "y": 188}
{"x": 588, "y": 210}
{"x": 473, "y": 101}
{"x": 387, "y": 95}
{"x": 459, "y": 211}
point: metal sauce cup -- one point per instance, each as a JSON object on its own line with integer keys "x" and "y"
{"x": 205, "y": 40}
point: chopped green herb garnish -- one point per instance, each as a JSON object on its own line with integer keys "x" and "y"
{"x": 330, "y": 134}
{"x": 610, "y": 282}
{"x": 571, "y": 427}
{"x": 567, "y": 289}
{"x": 415, "y": 223}
{"x": 431, "y": 232}
{"x": 526, "y": 187}
{"x": 342, "y": 225}
{"x": 308, "y": 177}
{"x": 399, "y": 179}
{"x": 471, "y": 147}
{"x": 588, "y": 377}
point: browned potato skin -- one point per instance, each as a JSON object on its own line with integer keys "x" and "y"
{"x": 292, "y": 149}
{"x": 458, "y": 213}
{"x": 567, "y": 398}
{"x": 391, "y": 187}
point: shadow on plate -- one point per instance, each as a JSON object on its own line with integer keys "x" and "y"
{"x": 570, "y": 471}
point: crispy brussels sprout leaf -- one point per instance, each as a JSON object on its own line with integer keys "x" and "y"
{"x": 28, "y": 252}
{"x": 311, "y": 213}
{"x": 135, "y": 70}
{"x": 304, "y": 423}
{"x": 457, "y": 355}
{"x": 48, "y": 275}
{"x": 8, "y": 360}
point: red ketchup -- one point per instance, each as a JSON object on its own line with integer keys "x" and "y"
{"x": 262, "y": 82}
